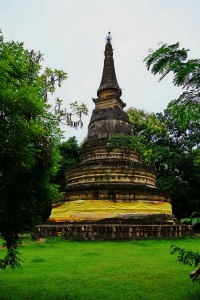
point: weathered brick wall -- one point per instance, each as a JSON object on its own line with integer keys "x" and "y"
{"x": 111, "y": 232}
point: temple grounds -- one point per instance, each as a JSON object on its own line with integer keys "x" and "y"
{"x": 60, "y": 269}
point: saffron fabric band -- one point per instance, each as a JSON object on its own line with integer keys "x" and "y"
{"x": 94, "y": 210}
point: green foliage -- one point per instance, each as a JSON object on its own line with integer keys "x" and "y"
{"x": 182, "y": 120}
{"x": 12, "y": 258}
{"x": 147, "y": 125}
{"x": 172, "y": 151}
{"x": 169, "y": 58}
{"x": 194, "y": 220}
{"x": 150, "y": 134}
{"x": 123, "y": 140}
{"x": 69, "y": 152}
{"x": 191, "y": 221}
{"x": 166, "y": 59}
{"x": 29, "y": 145}
{"x": 66, "y": 118}
{"x": 186, "y": 257}
{"x": 30, "y": 138}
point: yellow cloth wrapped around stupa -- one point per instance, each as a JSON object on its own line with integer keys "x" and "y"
{"x": 94, "y": 210}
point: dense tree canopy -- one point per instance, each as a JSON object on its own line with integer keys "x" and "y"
{"x": 29, "y": 134}
{"x": 174, "y": 157}
{"x": 182, "y": 118}
{"x": 69, "y": 152}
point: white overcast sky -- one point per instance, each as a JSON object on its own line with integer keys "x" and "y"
{"x": 71, "y": 35}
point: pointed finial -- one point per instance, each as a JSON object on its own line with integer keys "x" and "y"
{"x": 109, "y": 80}
{"x": 109, "y": 37}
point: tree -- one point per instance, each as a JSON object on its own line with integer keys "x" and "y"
{"x": 169, "y": 58}
{"x": 182, "y": 114}
{"x": 151, "y": 134}
{"x": 69, "y": 151}
{"x": 172, "y": 153}
{"x": 188, "y": 258}
{"x": 30, "y": 136}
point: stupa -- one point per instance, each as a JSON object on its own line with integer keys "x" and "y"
{"x": 111, "y": 184}
{"x": 111, "y": 194}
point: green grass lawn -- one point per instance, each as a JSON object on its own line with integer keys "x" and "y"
{"x": 60, "y": 269}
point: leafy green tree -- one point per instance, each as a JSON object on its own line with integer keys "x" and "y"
{"x": 188, "y": 258}
{"x": 69, "y": 151}
{"x": 151, "y": 135}
{"x": 173, "y": 156}
{"x": 186, "y": 72}
{"x": 194, "y": 220}
{"x": 182, "y": 116}
{"x": 30, "y": 136}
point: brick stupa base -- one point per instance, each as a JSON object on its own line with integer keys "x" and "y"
{"x": 102, "y": 232}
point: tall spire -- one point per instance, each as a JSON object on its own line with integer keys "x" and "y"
{"x": 109, "y": 79}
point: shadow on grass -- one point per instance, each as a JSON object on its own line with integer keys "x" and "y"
{"x": 38, "y": 260}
